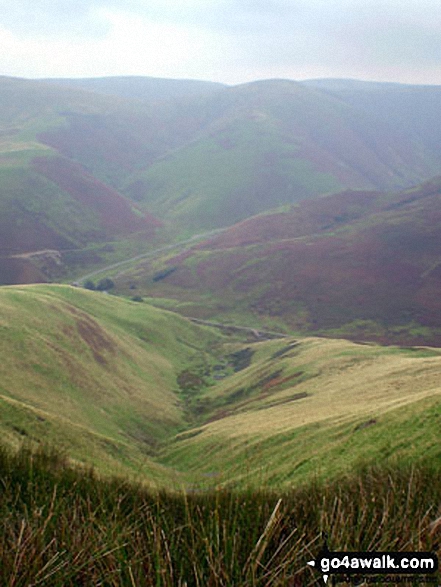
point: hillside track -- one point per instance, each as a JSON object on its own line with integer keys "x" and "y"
{"x": 179, "y": 247}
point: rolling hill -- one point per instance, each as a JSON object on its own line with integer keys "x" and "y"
{"x": 140, "y": 88}
{"x": 85, "y": 162}
{"x": 49, "y": 202}
{"x": 134, "y": 390}
{"x": 94, "y": 375}
{"x": 273, "y": 142}
{"x": 362, "y": 265}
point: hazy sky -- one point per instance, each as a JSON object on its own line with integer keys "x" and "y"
{"x": 231, "y": 41}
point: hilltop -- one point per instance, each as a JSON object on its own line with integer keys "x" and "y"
{"x": 140, "y": 87}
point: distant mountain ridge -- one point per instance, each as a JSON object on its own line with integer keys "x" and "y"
{"x": 139, "y": 87}
{"x": 201, "y": 157}
{"x": 243, "y": 149}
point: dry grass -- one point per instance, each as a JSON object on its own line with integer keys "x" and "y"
{"x": 316, "y": 410}
{"x": 343, "y": 381}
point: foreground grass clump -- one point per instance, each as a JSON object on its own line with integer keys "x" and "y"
{"x": 61, "y": 526}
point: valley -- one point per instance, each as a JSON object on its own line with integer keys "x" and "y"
{"x": 222, "y": 213}
{"x": 127, "y": 387}
{"x": 118, "y": 166}
{"x": 359, "y": 265}
{"x": 220, "y": 328}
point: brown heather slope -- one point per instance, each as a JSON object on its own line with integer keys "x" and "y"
{"x": 116, "y": 215}
{"x": 55, "y": 205}
{"x": 362, "y": 266}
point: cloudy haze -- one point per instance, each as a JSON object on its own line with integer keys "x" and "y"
{"x": 230, "y": 41}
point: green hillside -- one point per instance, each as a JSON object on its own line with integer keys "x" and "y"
{"x": 314, "y": 409}
{"x": 48, "y": 202}
{"x": 142, "y": 392}
{"x": 274, "y": 142}
{"x": 236, "y": 172}
{"x": 94, "y": 375}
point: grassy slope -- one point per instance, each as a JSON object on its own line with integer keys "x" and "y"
{"x": 47, "y": 202}
{"x": 93, "y": 374}
{"x": 273, "y": 142}
{"x": 136, "y": 390}
{"x": 356, "y": 264}
{"x": 315, "y": 409}
{"x": 240, "y": 171}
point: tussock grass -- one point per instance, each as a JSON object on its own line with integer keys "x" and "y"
{"x": 65, "y": 527}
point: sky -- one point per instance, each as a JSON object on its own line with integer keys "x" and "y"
{"x": 229, "y": 41}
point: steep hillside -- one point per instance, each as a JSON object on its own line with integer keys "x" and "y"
{"x": 276, "y": 142}
{"x": 94, "y": 375}
{"x": 314, "y": 409}
{"x": 359, "y": 265}
{"x": 48, "y": 202}
{"x": 138, "y": 391}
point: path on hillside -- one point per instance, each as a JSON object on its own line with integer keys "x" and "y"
{"x": 255, "y": 332}
{"x": 179, "y": 245}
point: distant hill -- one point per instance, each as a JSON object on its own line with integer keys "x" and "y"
{"x": 92, "y": 172}
{"x": 140, "y": 88}
{"x": 48, "y": 201}
{"x": 274, "y": 142}
{"x": 210, "y": 158}
{"x": 413, "y": 110}
{"x": 363, "y": 265}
